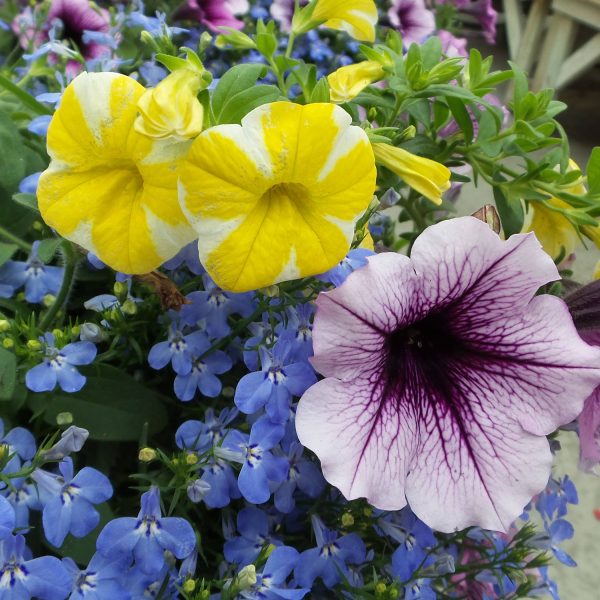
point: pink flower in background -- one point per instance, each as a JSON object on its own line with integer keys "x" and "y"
{"x": 214, "y": 13}
{"x": 412, "y": 19}
{"x": 283, "y": 10}
{"x": 483, "y": 11}
{"x": 443, "y": 375}
{"x": 452, "y": 46}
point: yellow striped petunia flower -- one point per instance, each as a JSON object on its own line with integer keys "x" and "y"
{"x": 277, "y": 197}
{"x": 109, "y": 188}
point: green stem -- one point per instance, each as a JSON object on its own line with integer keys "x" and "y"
{"x": 15, "y": 239}
{"x": 70, "y": 257}
{"x": 26, "y": 98}
{"x": 290, "y": 44}
{"x": 280, "y": 79}
{"x": 415, "y": 214}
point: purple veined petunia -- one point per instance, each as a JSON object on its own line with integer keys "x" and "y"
{"x": 60, "y": 366}
{"x": 69, "y": 500}
{"x": 38, "y": 278}
{"x": 443, "y": 375}
{"x": 412, "y": 19}
{"x": 253, "y": 525}
{"x": 21, "y": 447}
{"x": 43, "y": 578}
{"x": 329, "y": 560}
{"x": 213, "y": 13}
{"x": 147, "y": 536}
{"x": 100, "y": 580}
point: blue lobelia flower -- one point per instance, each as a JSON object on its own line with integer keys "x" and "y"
{"x": 253, "y": 525}
{"x": 38, "y": 278}
{"x": 303, "y": 474}
{"x": 261, "y": 334}
{"x": 203, "y": 376}
{"x": 215, "y": 306}
{"x": 21, "y": 447}
{"x": 147, "y": 536}
{"x": 356, "y": 258}
{"x": 180, "y": 350}
{"x": 274, "y": 386}
{"x": 222, "y": 481}
{"x": 143, "y": 586}
{"x": 100, "y": 580}
{"x": 552, "y": 501}
{"x": 69, "y": 501}
{"x": 271, "y": 583}
{"x": 29, "y": 184}
{"x": 328, "y": 560}
{"x": 23, "y": 497}
{"x": 419, "y": 590}
{"x": 59, "y": 366}
{"x": 199, "y": 436}
{"x": 298, "y": 330}
{"x": 7, "y": 518}
{"x": 187, "y": 256}
{"x": 71, "y": 440}
{"x": 260, "y": 469}
{"x": 559, "y": 531}
{"x": 44, "y": 578}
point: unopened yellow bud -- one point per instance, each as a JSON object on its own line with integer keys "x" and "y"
{"x": 48, "y": 300}
{"x": 147, "y": 455}
{"x": 172, "y": 109}
{"x": 37, "y": 225}
{"x": 191, "y": 458}
{"x": 7, "y": 343}
{"x": 64, "y": 418}
{"x": 428, "y": 177}
{"x": 21, "y": 297}
{"x": 129, "y": 307}
{"x": 76, "y": 330}
{"x": 4, "y": 325}
{"x": 120, "y": 288}
{"x": 380, "y": 589}
{"x": 347, "y": 520}
{"x": 271, "y": 291}
{"x": 246, "y": 577}
{"x": 34, "y": 345}
{"x": 349, "y": 81}
{"x": 367, "y": 511}
{"x": 189, "y": 586}
{"x": 57, "y": 333}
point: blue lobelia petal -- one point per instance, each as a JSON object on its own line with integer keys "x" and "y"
{"x": 160, "y": 355}
{"x": 84, "y": 518}
{"x": 22, "y": 441}
{"x": 281, "y": 563}
{"x": 7, "y": 518}
{"x": 41, "y": 378}
{"x": 253, "y": 484}
{"x": 252, "y": 392}
{"x": 177, "y": 536}
{"x": 209, "y": 384}
{"x": 47, "y": 578}
{"x": 310, "y": 565}
{"x": 149, "y": 554}
{"x": 70, "y": 379}
{"x": 79, "y": 353}
{"x": 118, "y": 538}
{"x": 252, "y": 523}
{"x": 265, "y": 433}
{"x": 56, "y": 520}
{"x": 299, "y": 377}
{"x": 185, "y": 386}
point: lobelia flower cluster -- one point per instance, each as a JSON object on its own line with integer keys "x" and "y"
{"x": 249, "y": 347}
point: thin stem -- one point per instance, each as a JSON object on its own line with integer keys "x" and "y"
{"x": 15, "y": 239}
{"x": 290, "y": 45}
{"x": 70, "y": 257}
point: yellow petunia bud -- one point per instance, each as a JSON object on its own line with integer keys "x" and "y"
{"x": 347, "y": 82}
{"x": 172, "y": 109}
{"x": 426, "y": 176}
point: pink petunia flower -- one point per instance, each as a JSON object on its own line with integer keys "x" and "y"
{"x": 214, "y": 13}
{"x": 452, "y": 46}
{"x": 412, "y": 19}
{"x": 443, "y": 375}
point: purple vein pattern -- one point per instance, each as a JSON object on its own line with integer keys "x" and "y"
{"x": 443, "y": 375}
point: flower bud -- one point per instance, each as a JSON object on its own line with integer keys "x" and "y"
{"x": 120, "y": 288}
{"x": 48, "y": 300}
{"x": 4, "y": 325}
{"x": 75, "y": 330}
{"x": 234, "y": 38}
{"x": 246, "y": 578}
{"x": 347, "y": 520}
{"x": 197, "y": 490}
{"x": 71, "y": 440}
{"x": 172, "y": 109}
{"x": 64, "y": 418}
{"x": 129, "y": 307}
{"x": 8, "y": 343}
{"x": 347, "y": 82}
{"x": 147, "y": 455}
{"x": 90, "y": 332}
{"x": 189, "y": 585}
{"x": 34, "y": 345}
{"x": 380, "y": 589}
{"x": 191, "y": 458}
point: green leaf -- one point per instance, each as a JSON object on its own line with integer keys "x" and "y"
{"x": 12, "y": 159}
{"x": 266, "y": 44}
{"x": 593, "y": 171}
{"x": 6, "y": 252}
{"x": 8, "y": 374}
{"x": 462, "y": 116}
{"x": 431, "y": 52}
{"x": 511, "y": 212}
{"x": 47, "y": 249}
{"x": 320, "y": 92}
{"x": 237, "y": 94}
{"x": 26, "y": 99}
{"x": 172, "y": 62}
{"x": 488, "y": 128}
{"x": 112, "y": 406}
{"x": 27, "y": 200}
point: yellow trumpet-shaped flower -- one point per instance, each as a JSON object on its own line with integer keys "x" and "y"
{"x": 277, "y": 197}
{"x": 356, "y": 17}
{"x": 347, "y": 82}
{"x": 172, "y": 107}
{"x": 426, "y": 176}
{"x": 109, "y": 188}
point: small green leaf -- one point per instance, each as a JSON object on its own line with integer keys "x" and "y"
{"x": 593, "y": 170}
{"x": 511, "y": 212}
{"x": 8, "y": 374}
{"x": 27, "y": 200}
{"x": 47, "y": 249}
{"x": 462, "y": 116}
{"x": 320, "y": 92}
{"x": 6, "y": 252}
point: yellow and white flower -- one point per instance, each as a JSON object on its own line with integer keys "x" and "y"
{"x": 108, "y": 188}
{"x": 277, "y": 197}
{"x": 428, "y": 177}
{"x": 172, "y": 109}
{"x": 347, "y": 82}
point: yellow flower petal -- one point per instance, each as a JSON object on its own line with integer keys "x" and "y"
{"x": 277, "y": 197}
{"x": 347, "y": 82}
{"x": 552, "y": 229}
{"x": 426, "y": 176}
{"x": 108, "y": 188}
{"x": 356, "y": 17}
{"x": 172, "y": 107}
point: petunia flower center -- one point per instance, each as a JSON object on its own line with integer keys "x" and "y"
{"x": 280, "y": 192}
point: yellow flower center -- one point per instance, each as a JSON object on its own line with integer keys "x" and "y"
{"x": 296, "y": 192}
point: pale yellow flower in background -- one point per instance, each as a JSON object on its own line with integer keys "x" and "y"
{"x": 347, "y": 82}
{"x": 277, "y": 197}
{"x": 428, "y": 177}
{"x": 172, "y": 109}
{"x": 108, "y": 188}
{"x": 356, "y": 17}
